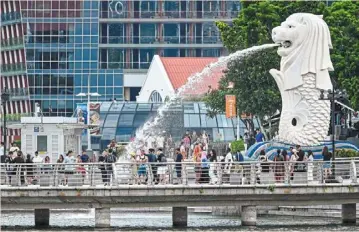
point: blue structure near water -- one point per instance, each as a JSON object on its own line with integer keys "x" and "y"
{"x": 271, "y": 148}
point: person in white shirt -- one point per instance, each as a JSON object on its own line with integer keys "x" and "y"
{"x": 2, "y": 152}
{"x": 37, "y": 158}
{"x": 14, "y": 148}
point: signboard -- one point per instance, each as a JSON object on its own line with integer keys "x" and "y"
{"x": 95, "y": 118}
{"x": 81, "y": 114}
{"x": 231, "y": 106}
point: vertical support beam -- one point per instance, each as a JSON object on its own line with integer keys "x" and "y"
{"x": 249, "y": 215}
{"x": 349, "y": 213}
{"x": 42, "y": 217}
{"x": 102, "y": 217}
{"x": 179, "y": 216}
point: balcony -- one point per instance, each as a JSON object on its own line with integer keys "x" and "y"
{"x": 13, "y": 69}
{"x": 10, "y": 18}
{"x": 12, "y": 44}
{"x": 13, "y": 118}
{"x": 18, "y": 94}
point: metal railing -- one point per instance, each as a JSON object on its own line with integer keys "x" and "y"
{"x": 268, "y": 174}
{"x": 13, "y": 69}
{"x": 12, "y": 43}
{"x": 9, "y": 18}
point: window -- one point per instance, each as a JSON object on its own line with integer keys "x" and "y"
{"x": 116, "y": 107}
{"x": 108, "y": 133}
{"x": 111, "y": 120}
{"x": 140, "y": 119}
{"x": 191, "y": 120}
{"x": 41, "y": 143}
{"x": 155, "y": 97}
{"x": 126, "y": 120}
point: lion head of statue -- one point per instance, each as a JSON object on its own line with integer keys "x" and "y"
{"x": 304, "y": 41}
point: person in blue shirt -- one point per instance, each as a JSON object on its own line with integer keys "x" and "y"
{"x": 84, "y": 157}
{"x": 259, "y": 136}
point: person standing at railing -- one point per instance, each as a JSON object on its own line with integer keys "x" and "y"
{"x": 197, "y": 153}
{"x": 9, "y": 166}
{"x": 142, "y": 168}
{"x": 110, "y": 159}
{"x": 2, "y": 153}
{"x": 213, "y": 167}
{"x": 162, "y": 168}
{"x": 293, "y": 158}
{"x": 37, "y": 160}
{"x": 204, "y": 168}
{"x": 20, "y": 168}
{"x": 279, "y": 169}
{"x": 179, "y": 160}
{"x": 47, "y": 167}
{"x": 102, "y": 167}
{"x": 29, "y": 169}
{"x": 61, "y": 169}
{"x": 327, "y": 156}
{"x": 70, "y": 162}
{"x": 228, "y": 160}
{"x": 310, "y": 160}
{"x": 152, "y": 159}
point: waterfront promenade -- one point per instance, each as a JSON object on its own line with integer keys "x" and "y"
{"x": 247, "y": 185}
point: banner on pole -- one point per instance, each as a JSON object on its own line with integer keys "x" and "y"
{"x": 81, "y": 114}
{"x": 231, "y": 106}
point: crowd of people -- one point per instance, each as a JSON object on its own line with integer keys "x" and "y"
{"x": 150, "y": 165}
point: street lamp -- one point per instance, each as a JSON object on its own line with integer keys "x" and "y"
{"x": 88, "y": 115}
{"x": 333, "y": 95}
{"x": 5, "y": 97}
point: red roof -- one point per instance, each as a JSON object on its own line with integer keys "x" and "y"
{"x": 179, "y": 69}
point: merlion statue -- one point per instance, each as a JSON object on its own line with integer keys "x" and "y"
{"x": 305, "y": 42}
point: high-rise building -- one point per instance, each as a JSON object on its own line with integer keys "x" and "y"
{"x": 53, "y": 50}
{"x": 133, "y": 31}
{"x": 13, "y": 67}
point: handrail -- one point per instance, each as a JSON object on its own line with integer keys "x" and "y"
{"x": 185, "y": 173}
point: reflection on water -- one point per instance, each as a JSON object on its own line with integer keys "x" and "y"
{"x": 162, "y": 221}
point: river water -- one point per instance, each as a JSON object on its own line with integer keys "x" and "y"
{"x": 162, "y": 221}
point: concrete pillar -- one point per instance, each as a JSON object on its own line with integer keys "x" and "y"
{"x": 349, "y": 213}
{"x": 179, "y": 216}
{"x": 42, "y": 217}
{"x": 102, "y": 217}
{"x": 249, "y": 215}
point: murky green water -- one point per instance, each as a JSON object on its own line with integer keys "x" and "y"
{"x": 162, "y": 221}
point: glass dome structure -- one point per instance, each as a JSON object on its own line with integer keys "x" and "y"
{"x": 120, "y": 120}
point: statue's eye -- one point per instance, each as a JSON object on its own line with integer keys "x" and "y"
{"x": 290, "y": 26}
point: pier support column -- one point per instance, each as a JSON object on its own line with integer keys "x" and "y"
{"x": 102, "y": 217}
{"x": 249, "y": 215}
{"x": 349, "y": 213}
{"x": 179, "y": 216}
{"x": 42, "y": 217}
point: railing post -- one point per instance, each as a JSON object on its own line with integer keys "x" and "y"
{"x": 170, "y": 175}
{"x": 353, "y": 172}
{"x": 253, "y": 174}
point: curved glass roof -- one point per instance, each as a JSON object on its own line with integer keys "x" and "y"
{"x": 120, "y": 120}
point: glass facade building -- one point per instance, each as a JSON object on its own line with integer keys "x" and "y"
{"x": 120, "y": 121}
{"x": 59, "y": 48}
{"x": 62, "y": 55}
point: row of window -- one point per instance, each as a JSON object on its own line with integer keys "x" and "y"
{"x": 54, "y": 80}
{"x": 65, "y": 90}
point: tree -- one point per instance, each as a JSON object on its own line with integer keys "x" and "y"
{"x": 256, "y": 90}
{"x": 343, "y": 20}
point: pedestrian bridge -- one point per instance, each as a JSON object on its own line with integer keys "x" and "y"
{"x": 236, "y": 184}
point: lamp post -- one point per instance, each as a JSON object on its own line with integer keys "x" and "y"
{"x": 5, "y": 96}
{"x": 333, "y": 95}
{"x": 88, "y": 115}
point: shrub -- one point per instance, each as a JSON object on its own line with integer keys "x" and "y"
{"x": 237, "y": 145}
{"x": 346, "y": 153}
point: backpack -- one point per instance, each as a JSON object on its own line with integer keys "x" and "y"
{"x": 110, "y": 159}
{"x": 163, "y": 159}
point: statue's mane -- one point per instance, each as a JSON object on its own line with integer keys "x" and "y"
{"x": 313, "y": 54}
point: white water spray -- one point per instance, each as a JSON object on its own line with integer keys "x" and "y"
{"x": 143, "y": 133}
